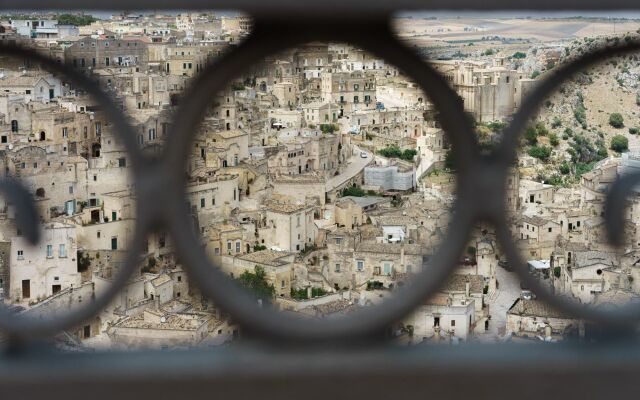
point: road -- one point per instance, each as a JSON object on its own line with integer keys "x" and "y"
{"x": 508, "y": 291}
{"x": 355, "y": 164}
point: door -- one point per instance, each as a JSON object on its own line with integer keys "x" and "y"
{"x": 114, "y": 215}
{"x": 114, "y": 243}
{"x": 55, "y": 288}
{"x": 51, "y": 94}
{"x": 26, "y": 289}
{"x": 86, "y": 331}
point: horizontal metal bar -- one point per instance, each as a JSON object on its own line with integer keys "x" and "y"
{"x": 238, "y": 372}
{"x": 332, "y": 8}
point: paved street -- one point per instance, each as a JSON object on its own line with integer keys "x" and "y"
{"x": 508, "y": 291}
{"x": 355, "y": 164}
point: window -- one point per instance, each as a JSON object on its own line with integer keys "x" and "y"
{"x": 62, "y": 252}
{"x": 70, "y": 189}
{"x": 386, "y": 268}
{"x": 49, "y": 251}
{"x": 201, "y": 203}
{"x": 122, "y": 162}
{"x": 114, "y": 243}
{"x": 213, "y": 201}
{"x": 14, "y": 125}
{"x": 179, "y": 278}
{"x": 360, "y": 265}
{"x": 20, "y": 255}
{"x": 338, "y": 240}
{"x": 337, "y": 267}
{"x": 282, "y": 284}
{"x": 229, "y": 245}
{"x": 237, "y": 246}
{"x": 453, "y": 322}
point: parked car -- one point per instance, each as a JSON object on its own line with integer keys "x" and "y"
{"x": 527, "y": 295}
{"x": 363, "y": 154}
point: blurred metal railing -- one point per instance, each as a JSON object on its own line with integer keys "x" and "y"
{"x": 339, "y": 358}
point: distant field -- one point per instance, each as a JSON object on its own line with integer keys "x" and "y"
{"x": 423, "y": 31}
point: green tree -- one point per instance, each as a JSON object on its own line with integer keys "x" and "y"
{"x": 519, "y": 54}
{"x": 616, "y": 120}
{"x": 619, "y": 143}
{"x": 256, "y": 283}
{"x": 84, "y": 261}
{"x": 328, "y": 128}
{"x": 408, "y": 154}
{"x": 449, "y": 161}
{"x": 565, "y": 168}
{"x": 77, "y": 20}
{"x": 391, "y": 152}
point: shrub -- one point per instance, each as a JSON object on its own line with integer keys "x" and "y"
{"x": 634, "y": 131}
{"x": 329, "y": 128}
{"x": 355, "y": 191}
{"x": 542, "y": 130}
{"x": 619, "y": 143}
{"x": 553, "y": 139}
{"x": 535, "y": 74}
{"x": 519, "y": 54}
{"x": 580, "y": 114}
{"x": 540, "y": 152}
{"x": 616, "y": 120}
{"x": 556, "y": 123}
{"x": 556, "y": 272}
{"x": 565, "y": 168}
{"x": 531, "y": 135}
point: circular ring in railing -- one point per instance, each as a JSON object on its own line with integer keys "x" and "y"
{"x": 620, "y": 316}
{"x": 21, "y": 324}
{"x": 231, "y": 298}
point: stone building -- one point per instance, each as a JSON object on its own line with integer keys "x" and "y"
{"x": 39, "y": 271}
{"x": 351, "y": 91}
{"x": 90, "y": 53}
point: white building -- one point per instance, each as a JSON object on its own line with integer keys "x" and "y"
{"x": 39, "y": 271}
